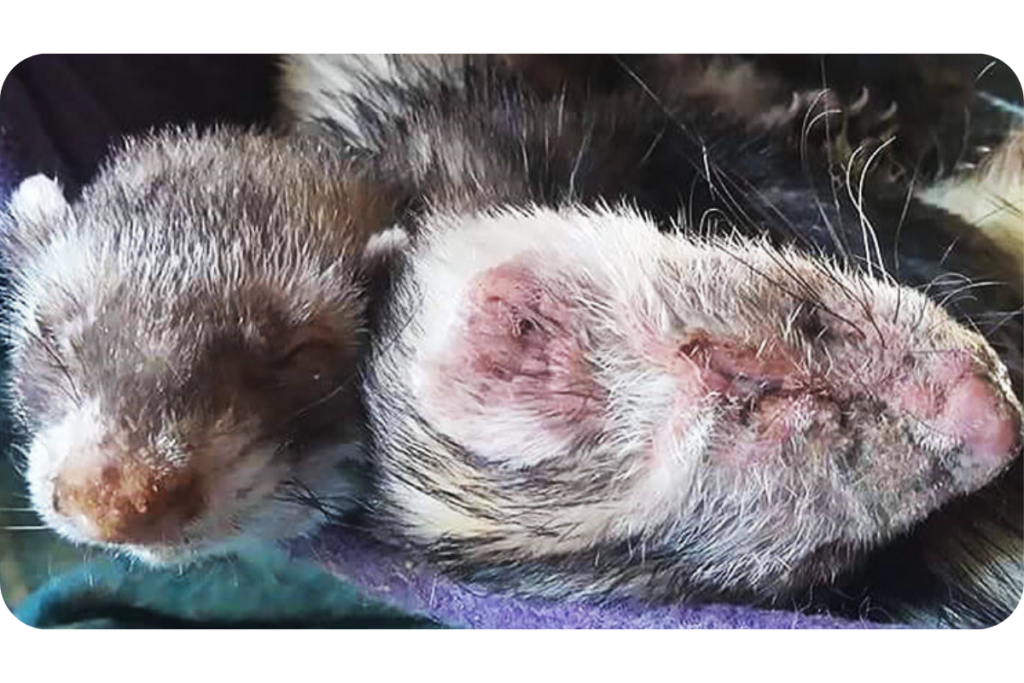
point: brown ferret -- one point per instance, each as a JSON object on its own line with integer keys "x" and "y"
{"x": 184, "y": 339}
{"x": 564, "y": 401}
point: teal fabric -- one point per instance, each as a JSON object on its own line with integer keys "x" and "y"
{"x": 263, "y": 590}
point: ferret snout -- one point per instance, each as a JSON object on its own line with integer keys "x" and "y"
{"x": 112, "y": 497}
{"x": 959, "y": 410}
{"x": 985, "y": 421}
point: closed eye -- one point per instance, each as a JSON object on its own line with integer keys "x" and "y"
{"x": 309, "y": 341}
{"x": 304, "y": 350}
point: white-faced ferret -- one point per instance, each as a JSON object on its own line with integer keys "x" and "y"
{"x": 566, "y": 401}
{"x": 184, "y": 340}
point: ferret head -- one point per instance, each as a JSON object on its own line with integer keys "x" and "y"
{"x": 184, "y": 339}
{"x": 574, "y": 394}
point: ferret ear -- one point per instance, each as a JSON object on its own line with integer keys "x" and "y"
{"x": 34, "y": 211}
{"x": 384, "y": 251}
{"x": 383, "y": 258}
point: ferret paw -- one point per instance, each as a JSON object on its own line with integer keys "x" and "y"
{"x": 849, "y": 132}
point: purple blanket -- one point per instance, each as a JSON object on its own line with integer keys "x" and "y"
{"x": 384, "y": 573}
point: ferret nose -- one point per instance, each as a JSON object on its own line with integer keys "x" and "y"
{"x": 127, "y": 500}
{"x": 985, "y": 420}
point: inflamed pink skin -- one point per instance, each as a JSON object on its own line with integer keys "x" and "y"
{"x": 572, "y": 401}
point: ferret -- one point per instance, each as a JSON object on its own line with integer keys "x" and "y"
{"x": 184, "y": 340}
{"x": 629, "y": 351}
{"x": 192, "y": 382}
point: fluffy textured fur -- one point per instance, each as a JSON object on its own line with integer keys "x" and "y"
{"x": 506, "y": 468}
{"x": 184, "y": 340}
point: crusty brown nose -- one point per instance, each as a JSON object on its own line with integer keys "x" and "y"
{"x": 127, "y": 500}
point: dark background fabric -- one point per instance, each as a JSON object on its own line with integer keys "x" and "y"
{"x": 59, "y": 114}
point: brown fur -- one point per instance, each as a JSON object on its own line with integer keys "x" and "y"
{"x": 185, "y": 338}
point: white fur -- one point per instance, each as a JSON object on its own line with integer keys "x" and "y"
{"x": 37, "y": 199}
{"x": 81, "y": 430}
{"x": 386, "y": 243}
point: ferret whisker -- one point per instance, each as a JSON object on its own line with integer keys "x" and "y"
{"x": 650, "y": 150}
{"x": 896, "y": 239}
{"x": 763, "y": 198}
{"x": 694, "y": 137}
{"x": 763, "y": 206}
{"x": 809, "y": 119}
{"x": 1004, "y": 319}
{"x": 303, "y": 496}
{"x": 927, "y": 288}
{"x": 334, "y": 392}
{"x": 860, "y": 208}
{"x": 945, "y": 255}
{"x": 974, "y": 285}
{"x": 985, "y": 69}
{"x": 584, "y": 145}
{"x": 834, "y": 235}
{"x": 815, "y": 300}
{"x": 944, "y": 279}
{"x": 71, "y": 391}
{"x": 1003, "y": 206}
{"x": 812, "y": 296}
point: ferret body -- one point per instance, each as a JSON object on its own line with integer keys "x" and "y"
{"x": 184, "y": 339}
{"x": 565, "y": 402}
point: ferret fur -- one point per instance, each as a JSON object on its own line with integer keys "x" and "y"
{"x": 184, "y": 340}
{"x": 496, "y": 156}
